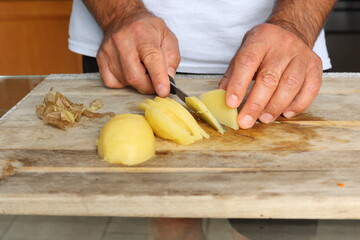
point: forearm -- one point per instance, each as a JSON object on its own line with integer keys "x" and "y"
{"x": 105, "y": 11}
{"x": 305, "y": 18}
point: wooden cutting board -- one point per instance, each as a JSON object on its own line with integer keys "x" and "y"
{"x": 308, "y": 167}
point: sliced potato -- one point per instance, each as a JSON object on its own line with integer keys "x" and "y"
{"x": 203, "y": 112}
{"x": 165, "y": 127}
{"x": 170, "y": 120}
{"x": 182, "y": 115}
{"x": 167, "y": 112}
{"x": 215, "y": 102}
{"x": 127, "y": 139}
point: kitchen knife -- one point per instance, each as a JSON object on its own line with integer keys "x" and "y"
{"x": 197, "y": 106}
{"x": 175, "y": 90}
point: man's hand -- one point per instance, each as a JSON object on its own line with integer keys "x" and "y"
{"x": 279, "y": 56}
{"x": 288, "y": 75}
{"x": 138, "y": 49}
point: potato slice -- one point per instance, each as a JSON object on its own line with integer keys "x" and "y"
{"x": 127, "y": 139}
{"x": 165, "y": 126}
{"x": 215, "y": 102}
{"x": 182, "y": 115}
{"x": 202, "y": 111}
{"x": 167, "y": 112}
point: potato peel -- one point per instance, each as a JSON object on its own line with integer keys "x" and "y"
{"x": 59, "y": 111}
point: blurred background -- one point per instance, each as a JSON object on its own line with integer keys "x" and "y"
{"x": 343, "y": 36}
{"x": 34, "y": 38}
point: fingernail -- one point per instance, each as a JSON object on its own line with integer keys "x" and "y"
{"x": 289, "y": 114}
{"x": 232, "y": 101}
{"x": 171, "y": 71}
{"x": 161, "y": 90}
{"x": 266, "y": 118}
{"x": 246, "y": 122}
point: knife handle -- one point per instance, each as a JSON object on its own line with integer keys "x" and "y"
{"x": 172, "y": 89}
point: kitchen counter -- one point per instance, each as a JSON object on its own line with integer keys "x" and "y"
{"x": 304, "y": 168}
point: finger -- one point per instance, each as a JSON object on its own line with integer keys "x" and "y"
{"x": 134, "y": 71}
{"x": 245, "y": 64}
{"x": 225, "y": 79}
{"x": 171, "y": 52}
{"x": 264, "y": 87}
{"x": 152, "y": 57}
{"x": 106, "y": 75}
{"x": 307, "y": 93}
{"x": 290, "y": 83}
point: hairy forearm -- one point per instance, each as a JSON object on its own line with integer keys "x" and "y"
{"x": 105, "y": 11}
{"x": 305, "y": 18}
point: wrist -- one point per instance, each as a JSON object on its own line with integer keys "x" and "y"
{"x": 123, "y": 19}
{"x": 304, "y": 18}
{"x": 108, "y": 12}
{"x": 291, "y": 27}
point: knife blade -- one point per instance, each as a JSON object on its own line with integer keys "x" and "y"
{"x": 175, "y": 90}
{"x": 197, "y": 106}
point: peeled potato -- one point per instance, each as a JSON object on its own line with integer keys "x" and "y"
{"x": 127, "y": 139}
{"x": 165, "y": 127}
{"x": 183, "y": 116}
{"x": 215, "y": 102}
{"x": 170, "y": 120}
{"x": 203, "y": 112}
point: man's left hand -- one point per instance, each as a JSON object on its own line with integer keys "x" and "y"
{"x": 287, "y": 75}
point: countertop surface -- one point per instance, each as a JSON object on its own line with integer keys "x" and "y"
{"x": 306, "y": 167}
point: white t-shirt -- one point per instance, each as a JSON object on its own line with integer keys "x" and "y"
{"x": 209, "y": 31}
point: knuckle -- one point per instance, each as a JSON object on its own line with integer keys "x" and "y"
{"x": 134, "y": 80}
{"x": 137, "y": 27}
{"x": 255, "y": 107}
{"x": 148, "y": 48}
{"x": 116, "y": 39}
{"x": 234, "y": 85}
{"x": 159, "y": 21}
{"x": 156, "y": 76}
{"x": 106, "y": 48}
{"x": 247, "y": 60}
{"x": 275, "y": 107}
{"x": 287, "y": 39}
{"x": 146, "y": 90}
{"x": 315, "y": 62}
{"x": 318, "y": 60}
{"x": 269, "y": 79}
{"x": 313, "y": 89}
{"x": 263, "y": 28}
{"x": 293, "y": 82}
{"x": 112, "y": 84}
{"x": 101, "y": 60}
{"x": 300, "y": 106}
{"x": 140, "y": 31}
{"x": 174, "y": 58}
{"x": 173, "y": 36}
{"x": 149, "y": 52}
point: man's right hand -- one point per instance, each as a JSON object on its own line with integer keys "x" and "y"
{"x": 139, "y": 51}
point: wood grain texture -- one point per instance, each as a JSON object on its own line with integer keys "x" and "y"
{"x": 287, "y": 169}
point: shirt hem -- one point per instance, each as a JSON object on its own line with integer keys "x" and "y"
{"x": 80, "y": 49}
